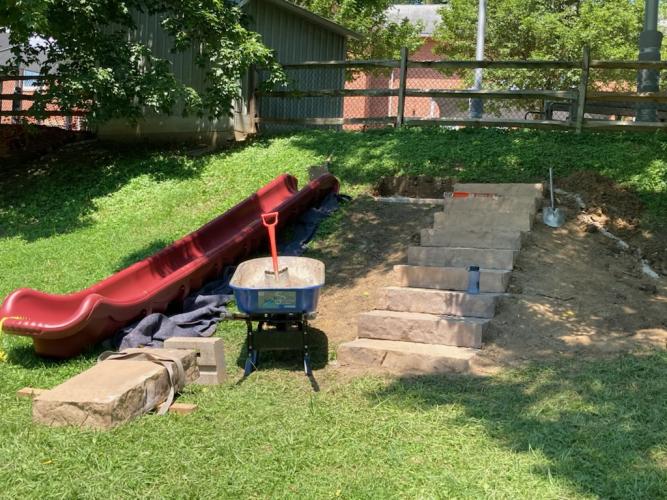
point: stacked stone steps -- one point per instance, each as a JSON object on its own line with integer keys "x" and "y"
{"x": 430, "y": 324}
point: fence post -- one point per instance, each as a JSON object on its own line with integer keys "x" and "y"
{"x": 253, "y": 81}
{"x": 17, "y": 101}
{"x": 583, "y": 87}
{"x": 402, "y": 77}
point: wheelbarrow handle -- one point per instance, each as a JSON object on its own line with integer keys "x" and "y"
{"x": 270, "y": 219}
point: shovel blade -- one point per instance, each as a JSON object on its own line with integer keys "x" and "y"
{"x": 553, "y": 217}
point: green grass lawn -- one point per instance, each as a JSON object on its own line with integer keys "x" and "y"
{"x": 582, "y": 429}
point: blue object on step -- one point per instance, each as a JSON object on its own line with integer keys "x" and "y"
{"x": 473, "y": 280}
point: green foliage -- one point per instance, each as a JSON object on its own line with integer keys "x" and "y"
{"x": 104, "y": 68}
{"x": 381, "y": 38}
{"x": 543, "y": 29}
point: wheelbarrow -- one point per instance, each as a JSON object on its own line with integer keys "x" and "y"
{"x": 280, "y": 294}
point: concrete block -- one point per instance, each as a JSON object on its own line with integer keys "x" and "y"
{"x": 182, "y": 408}
{"x": 441, "y": 302}
{"x": 451, "y": 278}
{"x": 422, "y": 328}
{"x": 471, "y": 238}
{"x": 492, "y": 205}
{"x": 505, "y": 189}
{"x": 210, "y": 357}
{"x": 29, "y": 392}
{"x": 487, "y": 258}
{"x": 406, "y": 357}
{"x": 521, "y": 221}
{"x": 111, "y": 392}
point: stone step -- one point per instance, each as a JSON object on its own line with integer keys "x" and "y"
{"x": 423, "y": 300}
{"x": 521, "y": 221}
{"x": 487, "y": 258}
{"x": 505, "y": 189}
{"x": 406, "y": 357}
{"x": 420, "y": 327}
{"x": 492, "y": 205}
{"x": 451, "y": 278}
{"x": 471, "y": 238}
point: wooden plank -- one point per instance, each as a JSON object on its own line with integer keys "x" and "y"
{"x": 402, "y": 87}
{"x": 487, "y": 122}
{"x": 498, "y": 94}
{"x": 583, "y": 86}
{"x": 390, "y": 120}
{"x": 18, "y": 78}
{"x": 627, "y": 96}
{"x": 370, "y": 63}
{"x": 619, "y": 125}
{"x": 30, "y": 392}
{"x": 329, "y": 93}
{"x": 28, "y": 114}
{"x": 628, "y": 64}
{"x": 17, "y": 96}
{"x": 182, "y": 408}
{"x": 451, "y": 64}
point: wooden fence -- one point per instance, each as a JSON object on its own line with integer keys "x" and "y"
{"x": 578, "y": 101}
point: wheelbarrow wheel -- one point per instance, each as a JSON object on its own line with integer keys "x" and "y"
{"x": 306, "y": 365}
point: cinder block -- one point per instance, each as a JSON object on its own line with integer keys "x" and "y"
{"x": 521, "y": 221}
{"x": 487, "y": 258}
{"x": 423, "y": 300}
{"x": 210, "y": 357}
{"x": 470, "y": 238}
{"x": 451, "y": 278}
{"x": 492, "y": 205}
{"x": 504, "y": 189}
{"x": 422, "y": 328}
{"x": 406, "y": 357}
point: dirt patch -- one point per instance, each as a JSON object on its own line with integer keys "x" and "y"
{"x": 619, "y": 210}
{"x": 359, "y": 261}
{"x": 417, "y": 186}
{"x": 573, "y": 293}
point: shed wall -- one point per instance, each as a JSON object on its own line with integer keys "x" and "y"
{"x": 296, "y": 39}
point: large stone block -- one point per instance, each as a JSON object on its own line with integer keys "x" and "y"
{"x": 505, "y": 189}
{"x": 111, "y": 392}
{"x": 406, "y": 357}
{"x": 451, "y": 278}
{"x": 471, "y": 238}
{"x": 441, "y": 302}
{"x": 487, "y": 258}
{"x": 422, "y": 328}
{"x": 492, "y": 205}
{"x": 210, "y": 357}
{"x": 521, "y": 221}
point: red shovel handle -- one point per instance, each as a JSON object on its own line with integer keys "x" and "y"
{"x": 270, "y": 220}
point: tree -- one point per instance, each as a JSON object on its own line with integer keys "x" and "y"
{"x": 381, "y": 38}
{"x": 543, "y": 29}
{"x": 101, "y": 69}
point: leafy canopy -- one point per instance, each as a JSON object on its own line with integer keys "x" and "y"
{"x": 542, "y": 29}
{"x": 104, "y": 68}
{"x": 381, "y": 38}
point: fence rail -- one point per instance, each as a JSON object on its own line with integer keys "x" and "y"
{"x": 15, "y": 105}
{"x": 581, "y": 103}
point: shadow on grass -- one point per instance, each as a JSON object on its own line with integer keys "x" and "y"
{"x": 24, "y": 356}
{"x": 148, "y": 250}
{"x": 57, "y": 195}
{"x": 292, "y": 359}
{"x": 599, "y": 424}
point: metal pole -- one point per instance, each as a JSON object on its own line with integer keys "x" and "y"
{"x": 648, "y": 80}
{"x": 476, "y": 104}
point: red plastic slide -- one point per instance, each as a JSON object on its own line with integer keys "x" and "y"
{"x": 63, "y": 325}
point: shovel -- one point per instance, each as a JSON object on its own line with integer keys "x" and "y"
{"x": 270, "y": 220}
{"x": 552, "y": 216}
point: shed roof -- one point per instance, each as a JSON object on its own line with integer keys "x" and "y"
{"x": 428, "y": 15}
{"x": 311, "y": 16}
